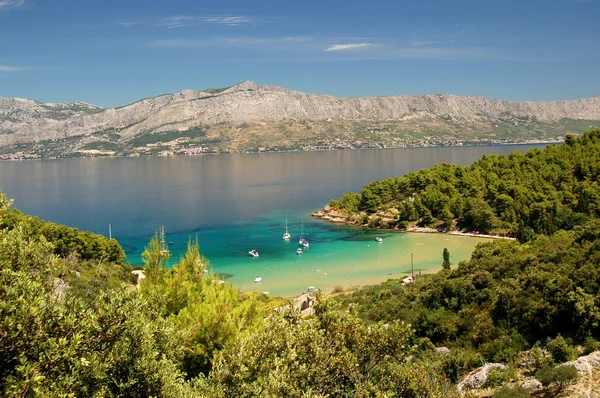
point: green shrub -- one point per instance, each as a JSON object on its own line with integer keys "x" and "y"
{"x": 498, "y": 377}
{"x": 338, "y": 289}
{"x": 561, "y": 350}
{"x": 559, "y": 376}
{"x": 534, "y": 359}
{"x": 511, "y": 392}
{"x": 506, "y": 349}
{"x": 403, "y": 224}
{"x": 590, "y": 345}
{"x": 459, "y": 361}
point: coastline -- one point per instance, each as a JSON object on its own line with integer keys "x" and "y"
{"x": 11, "y": 157}
{"x": 331, "y": 215}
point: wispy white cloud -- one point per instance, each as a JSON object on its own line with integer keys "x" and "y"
{"x": 5, "y": 68}
{"x": 176, "y": 22}
{"x": 231, "y": 20}
{"x": 11, "y": 3}
{"x": 181, "y": 21}
{"x": 311, "y": 48}
{"x": 129, "y": 23}
{"x": 350, "y": 46}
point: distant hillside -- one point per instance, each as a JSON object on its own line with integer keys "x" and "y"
{"x": 248, "y": 117}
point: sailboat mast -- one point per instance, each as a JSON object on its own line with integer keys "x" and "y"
{"x": 109, "y": 232}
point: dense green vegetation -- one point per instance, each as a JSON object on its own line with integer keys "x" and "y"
{"x": 74, "y": 323}
{"x": 182, "y": 333}
{"x": 505, "y": 299}
{"x": 540, "y": 192}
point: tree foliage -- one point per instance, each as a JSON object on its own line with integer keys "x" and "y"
{"x": 540, "y": 192}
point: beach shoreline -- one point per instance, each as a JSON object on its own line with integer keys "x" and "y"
{"x": 329, "y": 214}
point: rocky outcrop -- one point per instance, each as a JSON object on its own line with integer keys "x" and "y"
{"x": 23, "y": 121}
{"x": 585, "y": 364}
{"x": 477, "y": 378}
{"x": 531, "y": 383}
{"x": 304, "y": 303}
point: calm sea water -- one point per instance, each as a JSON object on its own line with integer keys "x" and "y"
{"x": 238, "y": 202}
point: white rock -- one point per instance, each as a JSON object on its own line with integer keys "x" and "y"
{"x": 477, "y": 378}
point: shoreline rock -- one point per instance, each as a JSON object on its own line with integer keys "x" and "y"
{"x": 330, "y": 214}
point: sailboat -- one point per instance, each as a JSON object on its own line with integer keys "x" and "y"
{"x": 302, "y": 240}
{"x": 287, "y": 235}
{"x": 164, "y": 249}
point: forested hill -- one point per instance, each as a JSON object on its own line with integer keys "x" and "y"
{"x": 541, "y": 191}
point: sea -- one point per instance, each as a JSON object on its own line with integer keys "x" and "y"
{"x": 234, "y": 203}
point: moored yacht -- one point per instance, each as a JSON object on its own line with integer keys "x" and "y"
{"x": 253, "y": 253}
{"x": 287, "y": 235}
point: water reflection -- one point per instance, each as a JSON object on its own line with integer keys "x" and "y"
{"x": 191, "y": 193}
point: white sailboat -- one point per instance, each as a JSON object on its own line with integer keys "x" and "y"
{"x": 302, "y": 240}
{"x": 164, "y": 249}
{"x": 287, "y": 235}
{"x": 253, "y": 253}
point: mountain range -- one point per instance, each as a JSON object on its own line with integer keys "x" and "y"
{"x": 249, "y": 117}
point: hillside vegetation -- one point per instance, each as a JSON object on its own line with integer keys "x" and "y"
{"x": 73, "y": 323}
{"x": 520, "y": 195}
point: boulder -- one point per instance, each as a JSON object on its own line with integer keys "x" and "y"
{"x": 477, "y": 378}
{"x": 531, "y": 383}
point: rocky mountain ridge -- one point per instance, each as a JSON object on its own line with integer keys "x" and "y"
{"x": 249, "y": 116}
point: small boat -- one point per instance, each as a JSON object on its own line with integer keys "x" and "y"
{"x": 379, "y": 239}
{"x": 299, "y": 251}
{"x": 301, "y": 240}
{"x": 312, "y": 289}
{"x": 287, "y": 235}
{"x": 253, "y": 253}
{"x": 257, "y": 279}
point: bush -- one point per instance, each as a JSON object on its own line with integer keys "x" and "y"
{"x": 403, "y": 225}
{"x": 590, "y": 345}
{"x": 561, "y": 350}
{"x": 459, "y": 361}
{"x": 511, "y": 392}
{"x": 506, "y": 349}
{"x": 338, "y": 289}
{"x": 559, "y": 376}
{"x": 533, "y": 360}
{"x": 498, "y": 377}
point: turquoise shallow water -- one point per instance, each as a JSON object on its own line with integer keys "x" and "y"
{"x": 338, "y": 255}
{"x": 238, "y": 202}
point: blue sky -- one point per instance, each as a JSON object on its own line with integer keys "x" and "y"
{"x": 112, "y": 53}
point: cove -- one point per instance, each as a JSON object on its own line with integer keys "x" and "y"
{"x": 238, "y": 202}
